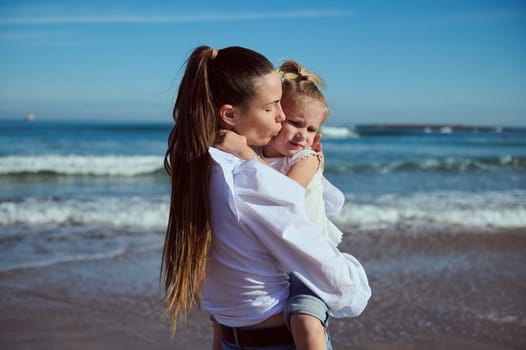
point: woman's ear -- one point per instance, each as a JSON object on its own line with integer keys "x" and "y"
{"x": 228, "y": 116}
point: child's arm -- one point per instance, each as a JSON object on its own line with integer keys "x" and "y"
{"x": 235, "y": 144}
{"x": 304, "y": 169}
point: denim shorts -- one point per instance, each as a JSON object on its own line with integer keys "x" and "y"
{"x": 302, "y": 300}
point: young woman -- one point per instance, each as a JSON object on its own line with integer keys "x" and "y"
{"x": 237, "y": 229}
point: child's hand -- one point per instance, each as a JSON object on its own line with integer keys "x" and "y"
{"x": 235, "y": 144}
{"x": 230, "y": 142}
{"x": 316, "y": 145}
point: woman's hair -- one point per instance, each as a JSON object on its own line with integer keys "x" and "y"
{"x": 297, "y": 81}
{"x": 212, "y": 78}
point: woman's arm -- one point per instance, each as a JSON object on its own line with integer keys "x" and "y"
{"x": 272, "y": 207}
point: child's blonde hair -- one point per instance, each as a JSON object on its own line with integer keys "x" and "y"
{"x": 298, "y": 81}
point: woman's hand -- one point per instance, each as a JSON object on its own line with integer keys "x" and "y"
{"x": 230, "y": 142}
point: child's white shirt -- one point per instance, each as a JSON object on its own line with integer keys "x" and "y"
{"x": 316, "y": 192}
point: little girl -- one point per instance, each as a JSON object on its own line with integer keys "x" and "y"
{"x": 291, "y": 153}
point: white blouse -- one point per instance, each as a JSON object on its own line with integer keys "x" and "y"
{"x": 261, "y": 234}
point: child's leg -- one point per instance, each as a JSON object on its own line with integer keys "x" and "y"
{"x": 307, "y": 317}
{"x": 308, "y": 332}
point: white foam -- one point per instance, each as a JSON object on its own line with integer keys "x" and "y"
{"x": 81, "y": 165}
{"x": 113, "y": 212}
{"x": 453, "y": 164}
{"x": 445, "y": 209}
{"x": 338, "y": 132}
{"x": 502, "y": 319}
{"x": 506, "y": 209}
{"x": 63, "y": 259}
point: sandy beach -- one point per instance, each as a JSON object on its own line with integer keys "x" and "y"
{"x": 433, "y": 291}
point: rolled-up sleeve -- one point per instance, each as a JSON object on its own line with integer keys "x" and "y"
{"x": 272, "y": 207}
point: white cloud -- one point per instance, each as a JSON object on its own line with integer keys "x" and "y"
{"x": 144, "y": 19}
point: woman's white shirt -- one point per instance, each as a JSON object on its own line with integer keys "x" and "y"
{"x": 261, "y": 234}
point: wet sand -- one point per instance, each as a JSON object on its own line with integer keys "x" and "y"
{"x": 430, "y": 291}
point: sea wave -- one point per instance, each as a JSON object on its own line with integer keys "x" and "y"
{"x": 492, "y": 209}
{"x": 38, "y": 232}
{"x": 130, "y": 166}
{"x": 447, "y": 164}
{"x": 85, "y": 165}
{"x": 506, "y": 209}
{"x": 112, "y": 212}
{"x": 54, "y": 260}
{"x": 503, "y": 142}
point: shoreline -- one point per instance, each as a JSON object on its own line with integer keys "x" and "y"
{"x": 438, "y": 290}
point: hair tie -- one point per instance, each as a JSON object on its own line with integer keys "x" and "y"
{"x": 303, "y": 77}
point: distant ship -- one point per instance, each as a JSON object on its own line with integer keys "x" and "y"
{"x": 30, "y": 117}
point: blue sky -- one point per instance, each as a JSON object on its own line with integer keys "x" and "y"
{"x": 461, "y": 62}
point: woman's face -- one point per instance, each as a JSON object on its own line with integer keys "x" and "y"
{"x": 261, "y": 120}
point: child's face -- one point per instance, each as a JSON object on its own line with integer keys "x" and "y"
{"x": 304, "y": 116}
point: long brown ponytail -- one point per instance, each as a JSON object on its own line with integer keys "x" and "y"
{"x": 212, "y": 78}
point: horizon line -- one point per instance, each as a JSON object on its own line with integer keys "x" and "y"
{"x": 337, "y": 124}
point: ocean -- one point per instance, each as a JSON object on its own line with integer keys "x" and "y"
{"x": 74, "y": 191}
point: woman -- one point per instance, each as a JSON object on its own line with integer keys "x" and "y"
{"x": 237, "y": 229}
